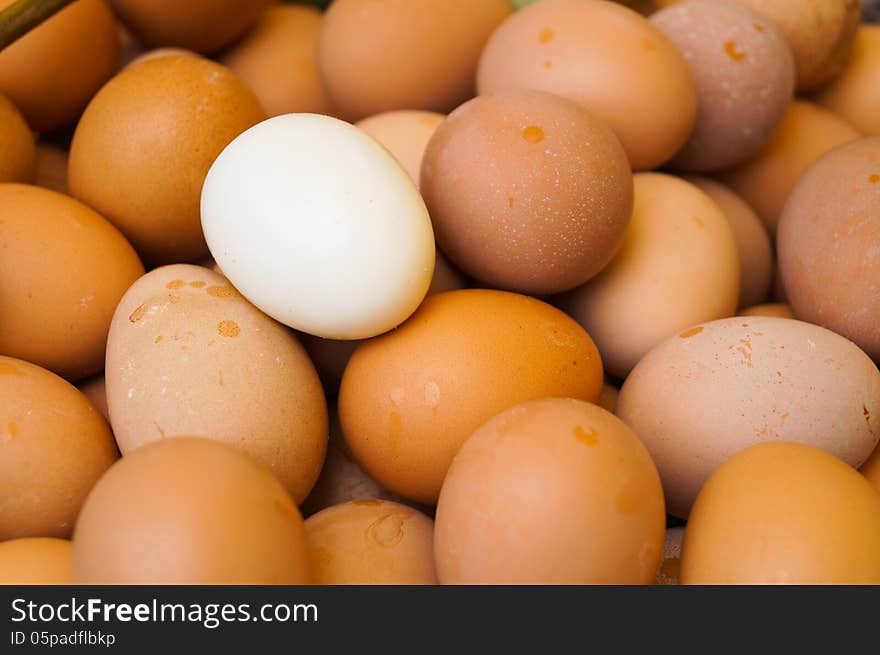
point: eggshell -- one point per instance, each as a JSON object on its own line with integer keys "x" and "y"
{"x": 606, "y": 57}
{"x": 718, "y": 388}
{"x": 783, "y": 513}
{"x": 669, "y": 570}
{"x": 527, "y": 191}
{"x": 855, "y": 93}
{"x": 396, "y": 54}
{"x": 678, "y": 266}
{"x": 276, "y": 59}
{"x": 777, "y": 310}
{"x": 410, "y": 398}
{"x": 554, "y": 491}
{"x": 273, "y": 215}
{"x": 35, "y": 562}
{"x": 51, "y": 167}
{"x": 190, "y": 511}
{"x": 744, "y": 75}
{"x": 406, "y": 134}
{"x": 64, "y": 269}
{"x": 54, "y": 445}
{"x": 142, "y": 149}
{"x": 200, "y": 25}
{"x": 806, "y": 133}
{"x": 51, "y": 72}
{"x": 371, "y": 542}
{"x": 828, "y": 243}
{"x": 752, "y": 241}
{"x": 17, "y": 153}
{"x": 187, "y": 355}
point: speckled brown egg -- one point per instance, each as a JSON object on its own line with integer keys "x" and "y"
{"x": 145, "y": 143}
{"x": 777, "y": 310}
{"x": 820, "y": 33}
{"x": 371, "y": 542}
{"x": 51, "y": 167}
{"x": 36, "y": 561}
{"x": 63, "y": 270}
{"x": 51, "y": 72}
{"x": 276, "y": 59}
{"x": 678, "y": 266}
{"x": 405, "y": 133}
{"x": 527, "y": 191}
{"x": 199, "y": 25}
{"x": 396, "y": 54}
{"x": 744, "y": 74}
{"x": 607, "y": 58}
{"x": 411, "y": 397}
{"x": 829, "y": 243}
{"x": 720, "y": 387}
{"x": 54, "y": 445}
{"x": 806, "y": 133}
{"x": 187, "y": 355}
{"x": 190, "y": 511}
{"x": 17, "y": 152}
{"x": 669, "y": 569}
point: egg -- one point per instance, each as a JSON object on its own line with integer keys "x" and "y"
{"x": 871, "y": 469}
{"x": 827, "y": 243}
{"x": 783, "y": 513}
{"x": 410, "y": 398}
{"x": 54, "y": 445}
{"x": 64, "y": 269}
{"x": 35, "y": 561}
{"x": 777, "y": 310}
{"x": 187, "y": 355}
{"x": 820, "y": 33}
{"x": 607, "y": 58}
{"x": 405, "y": 133}
{"x": 744, "y": 75}
{"x": 276, "y": 59}
{"x": 855, "y": 93}
{"x": 669, "y": 570}
{"x": 806, "y": 133}
{"x": 52, "y": 71}
{"x": 371, "y": 541}
{"x": 273, "y": 215}
{"x": 381, "y": 56}
{"x": 142, "y": 149}
{"x": 553, "y": 491}
{"x": 720, "y": 387}
{"x": 752, "y": 241}
{"x": 527, "y": 191}
{"x": 678, "y": 266}
{"x": 199, "y": 25}
{"x": 51, "y": 167}
{"x": 17, "y": 151}
{"x": 95, "y": 389}
{"x": 190, "y": 511}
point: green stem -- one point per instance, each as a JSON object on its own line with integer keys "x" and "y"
{"x": 22, "y": 16}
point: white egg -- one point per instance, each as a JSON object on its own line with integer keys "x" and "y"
{"x": 317, "y": 225}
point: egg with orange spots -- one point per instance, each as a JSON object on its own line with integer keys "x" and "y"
{"x": 188, "y": 355}
{"x": 553, "y": 491}
{"x": 35, "y": 561}
{"x": 720, "y": 387}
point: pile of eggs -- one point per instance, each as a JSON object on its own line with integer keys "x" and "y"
{"x": 448, "y": 291}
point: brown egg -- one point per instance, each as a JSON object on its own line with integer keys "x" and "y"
{"x": 805, "y": 134}
{"x": 820, "y": 33}
{"x": 779, "y": 294}
{"x": 35, "y": 562}
{"x": 776, "y": 310}
{"x": 828, "y": 243}
{"x": 276, "y": 59}
{"x": 527, "y": 191}
{"x": 871, "y": 469}
{"x": 199, "y": 25}
{"x": 669, "y": 570}
{"x": 17, "y": 153}
{"x": 678, "y": 266}
{"x": 159, "y": 53}
{"x": 783, "y": 513}
{"x": 410, "y": 398}
{"x": 855, "y": 94}
{"x": 190, "y": 511}
{"x": 752, "y": 241}
{"x": 95, "y": 390}
{"x": 64, "y": 269}
{"x": 374, "y": 542}
{"x": 54, "y": 445}
{"x": 381, "y": 56}
{"x": 405, "y": 134}
{"x": 554, "y": 491}
{"x": 51, "y": 72}
{"x": 744, "y": 74}
{"x": 718, "y": 388}
{"x": 144, "y": 146}
{"x": 187, "y": 355}
{"x": 51, "y": 167}
{"x": 608, "y": 397}
{"x": 606, "y": 57}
